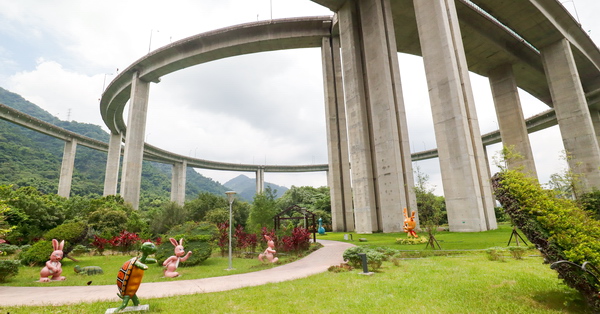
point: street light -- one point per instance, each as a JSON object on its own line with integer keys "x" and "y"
{"x": 230, "y": 196}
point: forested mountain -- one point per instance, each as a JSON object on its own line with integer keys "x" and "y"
{"x": 29, "y": 158}
{"x": 246, "y": 187}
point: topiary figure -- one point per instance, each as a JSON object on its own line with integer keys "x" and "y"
{"x": 199, "y": 238}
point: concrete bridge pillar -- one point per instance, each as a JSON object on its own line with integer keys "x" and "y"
{"x": 338, "y": 176}
{"x": 462, "y": 161}
{"x": 382, "y": 179}
{"x": 572, "y": 114}
{"x": 134, "y": 141}
{"x": 113, "y": 161}
{"x": 260, "y": 180}
{"x": 66, "y": 169}
{"x": 510, "y": 117}
{"x": 178, "y": 177}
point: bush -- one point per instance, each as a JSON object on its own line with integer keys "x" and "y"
{"x": 517, "y": 252}
{"x": 8, "y": 248}
{"x": 73, "y": 233}
{"x": 374, "y": 258}
{"x": 557, "y": 227}
{"x": 38, "y": 254}
{"x": 198, "y": 238}
{"x": 495, "y": 254}
{"x": 8, "y": 269}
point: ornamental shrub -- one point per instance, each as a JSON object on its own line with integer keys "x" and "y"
{"x": 374, "y": 258}
{"x": 38, "y": 254}
{"x": 8, "y": 268}
{"x": 73, "y": 233}
{"x": 557, "y": 227}
{"x": 198, "y": 237}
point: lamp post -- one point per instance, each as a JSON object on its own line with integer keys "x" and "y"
{"x": 230, "y": 196}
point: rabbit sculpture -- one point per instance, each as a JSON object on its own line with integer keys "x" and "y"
{"x": 410, "y": 224}
{"x": 53, "y": 268}
{"x": 172, "y": 262}
{"x": 269, "y": 253}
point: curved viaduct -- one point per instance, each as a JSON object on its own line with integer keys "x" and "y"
{"x": 532, "y": 44}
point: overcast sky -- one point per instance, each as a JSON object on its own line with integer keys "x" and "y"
{"x": 264, "y": 108}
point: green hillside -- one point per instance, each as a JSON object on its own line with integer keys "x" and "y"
{"x": 28, "y": 158}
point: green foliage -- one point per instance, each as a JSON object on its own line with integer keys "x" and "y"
{"x": 107, "y": 222}
{"x": 38, "y": 254}
{"x": 218, "y": 215}
{"x": 169, "y": 215}
{"x": 205, "y": 202}
{"x": 591, "y": 202}
{"x": 431, "y": 208}
{"x": 198, "y": 238}
{"x": 31, "y": 213}
{"x": 374, "y": 258}
{"x": 73, "y": 233}
{"x": 411, "y": 240}
{"x": 8, "y": 248}
{"x": 5, "y": 228}
{"x": 262, "y": 211}
{"x": 8, "y": 268}
{"x": 495, "y": 254}
{"x": 560, "y": 229}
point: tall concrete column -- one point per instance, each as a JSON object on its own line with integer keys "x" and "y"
{"x": 572, "y": 114}
{"x": 464, "y": 176}
{"x": 260, "y": 180}
{"x": 66, "y": 169}
{"x": 134, "y": 141}
{"x": 595, "y": 115}
{"x": 510, "y": 117}
{"x": 381, "y": 172}
{"x": 113, "y": 161}
{"x": 178, "y": 177}
{"x": 338, "y": 176}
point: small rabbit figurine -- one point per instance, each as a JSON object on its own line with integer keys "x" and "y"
{"x": 53, "y": 269}
{"x": 172, "y": 262}
{"x": 269, "y": 252}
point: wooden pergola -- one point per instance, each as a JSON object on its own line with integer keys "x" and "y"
{"x": 288, "y": 214}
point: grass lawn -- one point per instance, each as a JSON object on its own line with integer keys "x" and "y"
{"x": 454, "y": 283}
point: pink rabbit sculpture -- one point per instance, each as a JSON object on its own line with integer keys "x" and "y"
{"x": 269, "y": 253}
{"x": 53, "y": 268}
{"x": 172, "y": 262}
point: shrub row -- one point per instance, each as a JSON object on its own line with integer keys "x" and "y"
{"x": 557, "y": 227}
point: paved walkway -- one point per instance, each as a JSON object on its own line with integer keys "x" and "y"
{"x": 316, "y": 262}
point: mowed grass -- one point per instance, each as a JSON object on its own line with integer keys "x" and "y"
{"x": 466, "y": 284}
{"x": 461, "y": 282}
{"x": 215, "y": 266}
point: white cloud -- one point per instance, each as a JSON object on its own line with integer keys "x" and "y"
{"x": 260, "y": 108}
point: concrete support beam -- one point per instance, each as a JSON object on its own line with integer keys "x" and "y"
{"x": 66, "y": 169}
{"x": 572, "y": 114}
{"x": 510, "y": 117}
{"x": 134, "y": 141}
{"x": 374, "y": 104}
{"x": 113, "y": 161}
{"x": 178, "y": 177}
{"x": 338, "y": 176}
{"x": 260, "y": 180}
{"x": 462, "y": 160}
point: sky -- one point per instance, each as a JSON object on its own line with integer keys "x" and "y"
{"x": 265, "y": 108}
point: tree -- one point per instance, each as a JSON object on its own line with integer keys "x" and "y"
{"x": 262, "y": 211}
{"x": 316, "y": 200}
{"x": 167, "y": 217}
{"x": 430, "y": 206}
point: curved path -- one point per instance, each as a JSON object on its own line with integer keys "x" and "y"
{"x": 314, "y": 263}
